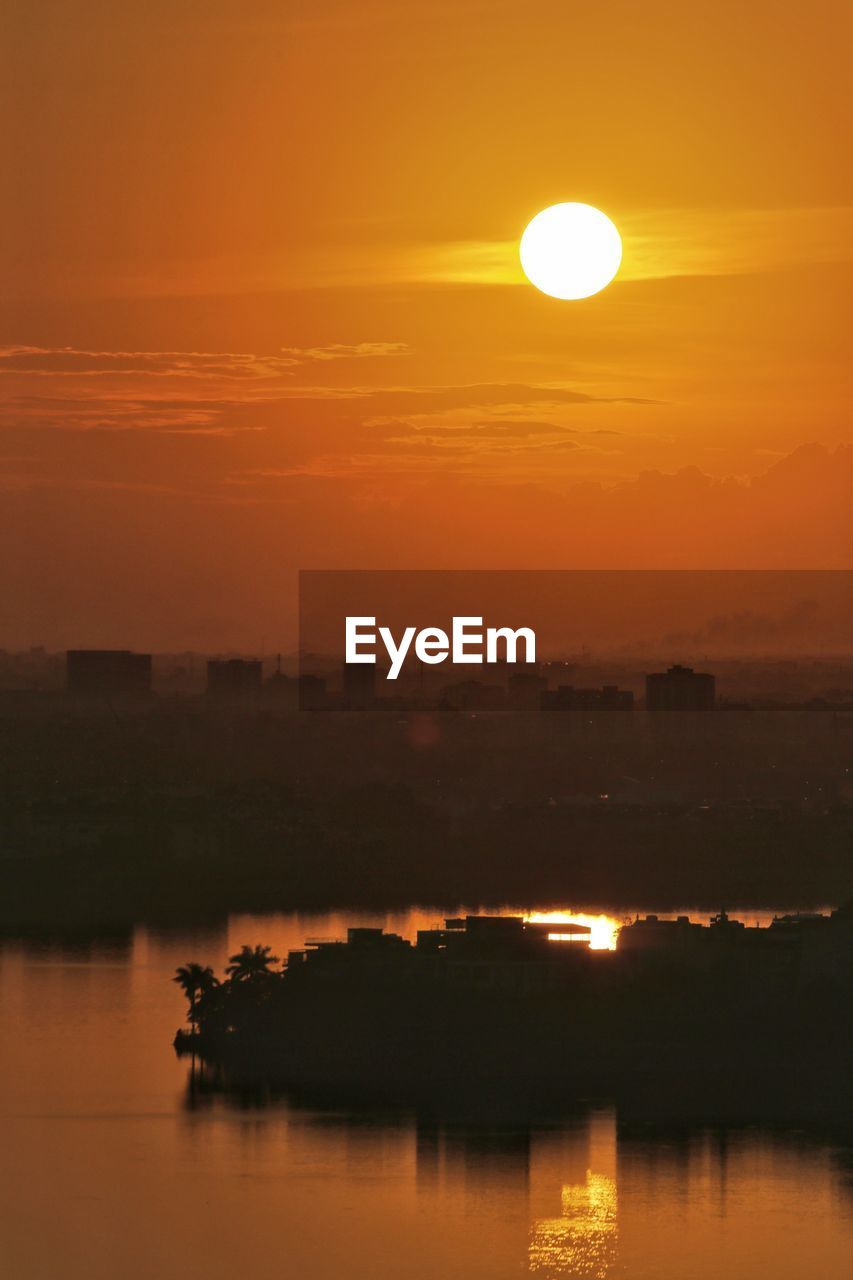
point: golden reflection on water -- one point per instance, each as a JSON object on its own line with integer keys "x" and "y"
{"x": 583, "y": 1240}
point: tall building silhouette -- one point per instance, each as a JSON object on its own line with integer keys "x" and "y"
{"x": 680, "y": 689}
{"x": 525, "y": 690}
{"x": 105, "y": 672}
{"x": 359, "y": 685}
{"x": 311, "y": 692}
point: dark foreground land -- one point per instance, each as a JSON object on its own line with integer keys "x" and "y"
{"x": 110, "y": 815}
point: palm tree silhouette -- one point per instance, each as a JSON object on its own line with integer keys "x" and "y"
{"x": 194, "y": 980}
{"x": 249, "y": 962}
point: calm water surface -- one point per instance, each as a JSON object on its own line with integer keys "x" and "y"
{"x": 111, "y": 1170}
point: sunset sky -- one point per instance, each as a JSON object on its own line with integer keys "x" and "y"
{"x": 262, "y": 308}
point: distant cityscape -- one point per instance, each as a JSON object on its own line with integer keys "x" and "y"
{"x": 122, "y": 673}
{"x": 550, "y": 687}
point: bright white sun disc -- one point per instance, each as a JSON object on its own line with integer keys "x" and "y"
{"x": 570, "y": 251}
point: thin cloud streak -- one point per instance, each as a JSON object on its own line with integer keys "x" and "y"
{"x": 658, "y": 244}
{"x": 667, "y": 244}
{"x": 68, "y": 361}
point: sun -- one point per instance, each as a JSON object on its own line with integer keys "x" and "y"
{"x": 570, "y": 251}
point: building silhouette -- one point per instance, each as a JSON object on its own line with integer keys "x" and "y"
{"x": 234, "y": 677}
{"x": 680, "y": 689}
{"x": 106, "y": 672}
{"x": 280, "y": 690}
{"x": 525, "y": 690}
{"x": 312, "y": 694}
{"x": 359, "y": 687}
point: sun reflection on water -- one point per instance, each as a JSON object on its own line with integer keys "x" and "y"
{"x": 582, "y": 1241}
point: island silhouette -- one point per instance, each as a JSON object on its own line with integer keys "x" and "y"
{"x": 682, "y": 1015}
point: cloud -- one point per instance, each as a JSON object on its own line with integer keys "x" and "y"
{"x": 78, "y": 389}
{"x": 496, "y": 428}
{"x": 116, "y": 413}
{"x": 67, "y": 361}
{"x": 70, "y": 361}
{"x": 482, "y": 395}
{"x": 476, "y": 441}
{"x": 345, "y": 351}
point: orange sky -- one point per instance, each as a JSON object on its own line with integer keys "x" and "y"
{"x": 261, "y": 307}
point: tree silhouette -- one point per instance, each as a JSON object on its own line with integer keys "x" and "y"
{"x": 249, "y": 962}
{"x": 195, "y": 980}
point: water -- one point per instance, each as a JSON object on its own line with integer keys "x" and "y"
{"x": 110, "y": 1170}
